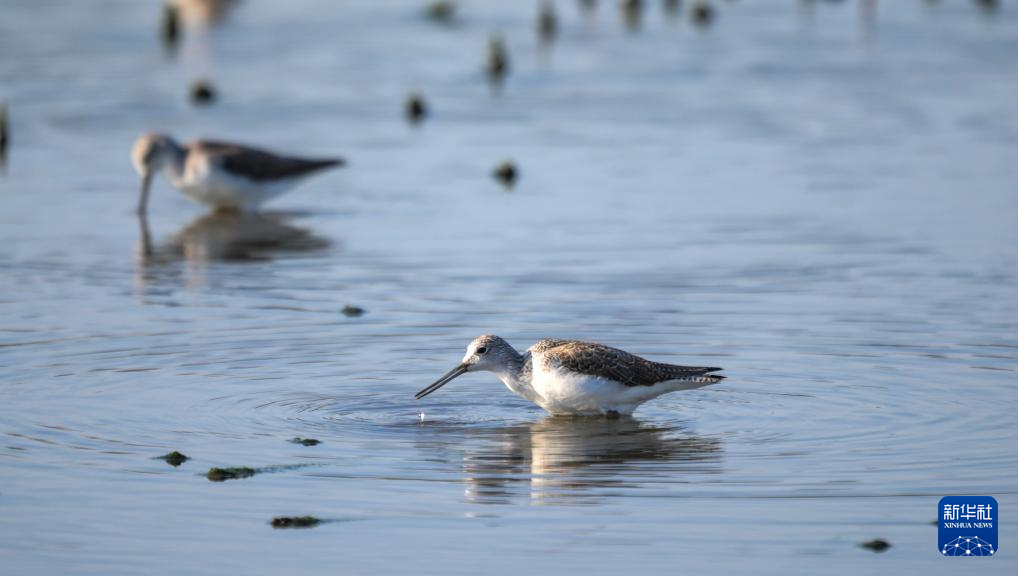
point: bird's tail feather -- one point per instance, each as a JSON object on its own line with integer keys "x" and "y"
{"x": 681, "y": 372}
{"x": 694, "y": 382}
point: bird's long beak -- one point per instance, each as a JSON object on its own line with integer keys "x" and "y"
{"x": 449, "y": 376}
{"x": 146, "y": 183}
{"x": 146, "y": 237}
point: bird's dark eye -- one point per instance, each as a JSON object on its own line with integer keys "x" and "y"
{"x": 482, "y": 349}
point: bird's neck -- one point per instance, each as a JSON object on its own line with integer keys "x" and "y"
{"x": 515, "y": 374}
{"x": 173, "y": 161}
{"x": 512, "y": 370}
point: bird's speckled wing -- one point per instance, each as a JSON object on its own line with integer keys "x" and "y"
{"x": 256, "y": 164}
{"x": 547, "y": 344}
{"x": 606, "y": 362}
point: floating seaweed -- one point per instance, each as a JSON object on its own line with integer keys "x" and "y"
{"x": 236, "y": 473}
{"x": 306, "y": 441}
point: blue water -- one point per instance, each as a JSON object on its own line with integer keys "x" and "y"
{"x": 819, "y": 199}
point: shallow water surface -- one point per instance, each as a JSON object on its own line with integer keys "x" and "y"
{"x": 818, "y": 199}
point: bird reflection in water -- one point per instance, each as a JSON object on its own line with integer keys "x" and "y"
{"x": 223, "y": 236}
{"x": 569, "y": 460}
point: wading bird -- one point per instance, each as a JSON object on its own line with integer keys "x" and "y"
{"x": 577, "y": 378}
{"x": 222, "y": 175}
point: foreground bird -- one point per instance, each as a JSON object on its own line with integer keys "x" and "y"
{"x": 220, "y": 174}
{"x": 577, "y": 378}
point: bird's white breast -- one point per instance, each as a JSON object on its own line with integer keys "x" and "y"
{"x": 566, "y": 392}
{"x": 205, "y": 182}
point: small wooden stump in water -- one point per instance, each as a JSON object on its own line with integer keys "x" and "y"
{"x": 702, "y": 14}
{"x": 498, "y": 59}
{"x": 169, "y": 30}
{"x": 547, "y": 22}
{"x": 989, "y": 5}
{"x": 506, "y": 173}
{"x": 4, "y": 140}
{"x": 632, "y": 13}
{"x": 416, "y": 109}
{"x": 202, "y": 93}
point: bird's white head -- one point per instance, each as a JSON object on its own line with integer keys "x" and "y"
{"x": 485, "y": 353}
{"x": 488, "y": 352}
{"x": 152, "y": 152}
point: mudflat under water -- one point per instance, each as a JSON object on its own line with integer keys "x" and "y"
{"x": 818, "y": 198}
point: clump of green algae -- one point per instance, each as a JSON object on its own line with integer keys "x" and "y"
{"x": 306, "y": 441}
{"x": 235, "y": 473}
{"x": 441, "y": 11}
{"x": 174, "y": 458}
{"x": 295, "y": 522}
{"x": 876, "y": 545}
{"x": 351, "y": 311}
